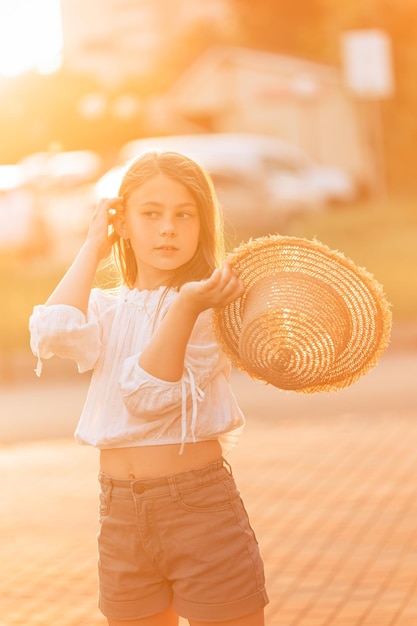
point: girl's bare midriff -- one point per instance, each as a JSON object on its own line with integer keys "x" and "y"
{"x": 153, "y": 461}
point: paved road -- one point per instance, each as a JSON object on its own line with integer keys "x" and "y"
{"x": 329, "y": 482}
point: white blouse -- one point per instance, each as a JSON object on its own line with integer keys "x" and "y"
{"x": 125, "y": 405}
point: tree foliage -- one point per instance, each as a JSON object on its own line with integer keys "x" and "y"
{"x": 293, "y": 27}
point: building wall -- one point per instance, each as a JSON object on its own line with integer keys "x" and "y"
{"x": 240, "y": 90}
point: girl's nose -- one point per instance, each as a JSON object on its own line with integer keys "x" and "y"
{"x": 167, "y": 228}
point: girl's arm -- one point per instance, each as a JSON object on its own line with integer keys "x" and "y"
{"x": 74, "y": 288}
{"x": 164, "y": 355}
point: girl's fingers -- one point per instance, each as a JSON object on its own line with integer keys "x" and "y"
{"x": 115, "y": 204}
{"x": 223, "y": 286}
{"x": 110, "y": 205}
{"x": 226, "y": 276}
{"x": 105, "y": 212}
{"x": 230, "y": 277}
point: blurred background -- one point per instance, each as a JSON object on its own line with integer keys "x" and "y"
{"x": 303, "y": 112}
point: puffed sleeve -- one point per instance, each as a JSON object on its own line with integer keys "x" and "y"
{"x": 64, "y": 331}
{"x": 147, "y": 397}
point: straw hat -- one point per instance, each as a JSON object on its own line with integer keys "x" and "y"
{"x": 309, "y": 320}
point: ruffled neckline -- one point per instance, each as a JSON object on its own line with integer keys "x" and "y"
{"x": 140, "y": 296}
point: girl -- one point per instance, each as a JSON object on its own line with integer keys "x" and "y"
{"x": 174, "y": 536}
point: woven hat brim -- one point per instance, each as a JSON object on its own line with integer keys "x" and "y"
{"x": 366, "y": 317}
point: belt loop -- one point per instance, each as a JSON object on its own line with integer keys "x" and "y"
{"x": 173, "y": 488}
{"x": 106, "y": 483}
{"x": 227, "y": 466}
{"x": 109, "y": 489}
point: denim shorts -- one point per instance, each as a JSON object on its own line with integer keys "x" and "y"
{"x": 184, "y": 540}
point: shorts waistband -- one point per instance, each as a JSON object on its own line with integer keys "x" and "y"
{"x": 201, "y": 475}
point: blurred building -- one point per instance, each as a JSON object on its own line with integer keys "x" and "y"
{"x": 233, "y": 89}
{"x": 116, "y": 39}
{"x": 226, "y": 89}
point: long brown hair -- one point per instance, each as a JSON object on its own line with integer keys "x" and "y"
{"x": 210, "y": 250}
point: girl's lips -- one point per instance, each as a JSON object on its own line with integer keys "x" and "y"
{"x": 166, "y": 249}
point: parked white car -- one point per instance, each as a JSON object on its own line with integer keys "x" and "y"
{"x": 61, "y": 187}
{"x": 61, "y": 169}
{"x": 16, "y": 208}
{"x": 261, "y": 181}
{"x": 246, "y": 205}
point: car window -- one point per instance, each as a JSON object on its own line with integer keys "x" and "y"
{"x": 221, "y": 179}
{"x": 286, "y": 164}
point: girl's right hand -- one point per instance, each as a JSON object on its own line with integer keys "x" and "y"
{"x": 223, "y": 286}
{"x": 101, "y": 234}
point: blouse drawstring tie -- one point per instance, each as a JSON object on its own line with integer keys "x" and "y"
{"x": 197, "y": 395}
{"x": 39, "y": 365}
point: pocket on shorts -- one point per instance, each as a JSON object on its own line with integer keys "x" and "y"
{"x": 214, "y": 496}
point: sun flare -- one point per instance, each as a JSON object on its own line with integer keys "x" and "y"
{"x": 30, "y": 36}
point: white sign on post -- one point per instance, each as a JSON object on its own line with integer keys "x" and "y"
{"x": 367, "y": 63}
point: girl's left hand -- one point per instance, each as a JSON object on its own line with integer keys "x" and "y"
{"x": 223, "y": 286}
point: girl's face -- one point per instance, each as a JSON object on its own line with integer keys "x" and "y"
{"x": 162, "y": 222}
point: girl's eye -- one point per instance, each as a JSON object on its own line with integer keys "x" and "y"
{"x": 150, "y": 214}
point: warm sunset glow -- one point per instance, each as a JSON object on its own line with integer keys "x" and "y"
{"x": 30, "y": 36}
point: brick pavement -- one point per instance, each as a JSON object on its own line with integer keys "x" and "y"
{"x": 333, "y": 501}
